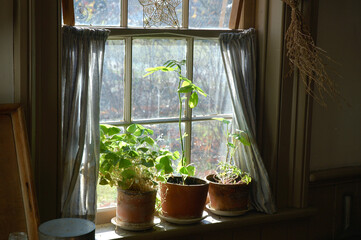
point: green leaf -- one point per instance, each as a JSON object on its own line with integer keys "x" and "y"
{"x": 124, "y": 163}
{"x": 176, "y": 155}
{"x": 231, "y": 145}
{"x": 218, "y": 119}
{"x": 143, "y": 149}
{"x": 183, "y": 170}
{"x": 186, "y": 83}
{"x": 133, "y": 153}
{"x": 138, "y": 132}
{"x": 147, "y": 163}
{"x": 149, "y": 140}
{"x": 132, "y": 128}
{"x": 193, "y": 100}
{"x": 109, "y": 129}
{"x": 149, "y": 131}
{"x": 191, "y": 170}
{"x": 186, "y": 89}
{"x": 103, "y": 181}
{"x": 242, "y": 136}
{"x": 128, "y": 173}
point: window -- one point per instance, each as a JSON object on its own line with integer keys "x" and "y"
{"x": 128, "y": 97}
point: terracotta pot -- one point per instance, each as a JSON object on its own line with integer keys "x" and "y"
{"x": 183, "y": 201}
{"x": 135, "y": 207}
{"x": 228, "y": 197}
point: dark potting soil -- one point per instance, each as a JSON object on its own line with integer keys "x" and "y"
{"x": 188, "y": 180}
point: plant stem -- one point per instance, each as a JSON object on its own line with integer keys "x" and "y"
{"x": 180, "y": 121}
{"x": 227, "y": 143}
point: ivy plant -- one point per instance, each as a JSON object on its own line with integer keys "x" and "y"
{"x": 185, "y": 87}
{"x": 227, "y": 172}
{"x": 132, "y": 160}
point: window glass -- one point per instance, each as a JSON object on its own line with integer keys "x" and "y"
{"x": 208, "y": 145}
{"x": 209, "y": 74}
{"x": 107, "y": 196}
{"x": 97, "y": 12}
{"x": 155, "y": 96}
{"x": 135, "y": 13}
{"x": 209, "y": 13}
{"x": 112, "y": 92}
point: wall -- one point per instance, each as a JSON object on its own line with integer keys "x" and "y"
{"x": 336, "y": 131}
{"x": 6, "y": 53}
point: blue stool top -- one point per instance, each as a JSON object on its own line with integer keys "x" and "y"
{"x": 63, "y": 228}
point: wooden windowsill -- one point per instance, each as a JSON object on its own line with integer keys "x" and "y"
{"x": 212, "y": 222}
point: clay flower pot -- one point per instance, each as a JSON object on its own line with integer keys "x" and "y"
{"x": 228, "y": 197}
{"x": 183, "y": 201}
{"x": 135, "y": 207}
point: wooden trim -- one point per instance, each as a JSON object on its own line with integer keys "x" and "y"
{"x": 46, "y": 102}
{"x": 185, "y": 15}
{"x": 247, "y": 19}
{"x": 271, "y": 98}
{"x": 166, "y": 32}
{"x": 335, "y": 173}
{"x": 68, "y": 12}
{"x": 105, "y": 215}
{"x": 21, "y": 148}
{"x": 235, "y": 18}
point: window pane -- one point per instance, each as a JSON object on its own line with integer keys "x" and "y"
{"x": 107, "y": 196}
{"x": 167, "y": 135}
{"x": 135, "y": 14}
{"x": 155, "y": 96}
{"x": 208, "y": 145}
{"x": 112, "y": 92}
{"x": 209, "y": 13}
{"x": 209, "y": 74}
{"x": 97, "y": 12}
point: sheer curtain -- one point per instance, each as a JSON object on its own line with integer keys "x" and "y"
{"x": 82, "y": 64}
{"x": 239, "y": 58}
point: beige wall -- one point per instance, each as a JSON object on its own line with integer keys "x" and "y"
{"x": 6, "y": 52}
{"x": 336, "y": 131}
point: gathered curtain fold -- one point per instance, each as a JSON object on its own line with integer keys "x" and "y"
{"x": 239, "y": 58}
{"x": 82, "y": 65}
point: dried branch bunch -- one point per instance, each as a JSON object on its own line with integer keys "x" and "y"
{"x": 306, "y": 57}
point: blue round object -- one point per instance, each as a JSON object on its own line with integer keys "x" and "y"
{"x": 67, "y": 228}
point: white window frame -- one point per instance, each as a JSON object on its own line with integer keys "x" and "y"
{"x": 104, "y": 215}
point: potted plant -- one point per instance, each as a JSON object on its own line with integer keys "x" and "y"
{"x": 130, "y": 161}
{"x": 184, "y": 196}
{"x": 229, "y": 187}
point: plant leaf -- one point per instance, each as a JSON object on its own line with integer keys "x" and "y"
{"x": 128, "y": 173}
{"x": 193, "y": 100}
{"x": 191, "y": 170}
{"x": 124, "y": 163}
{"x": 132, "y": 128}
{"x": 186, "y": 89}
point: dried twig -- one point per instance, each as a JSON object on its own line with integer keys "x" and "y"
{"x": 306, "y": 57}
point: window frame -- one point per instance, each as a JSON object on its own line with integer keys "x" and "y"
{"x": 105, "y": 214}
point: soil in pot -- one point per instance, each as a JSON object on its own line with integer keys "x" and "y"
{"x": 183, "y": 201}
{"x": 135, "y": 207}
{"x": 228, "y": 197}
